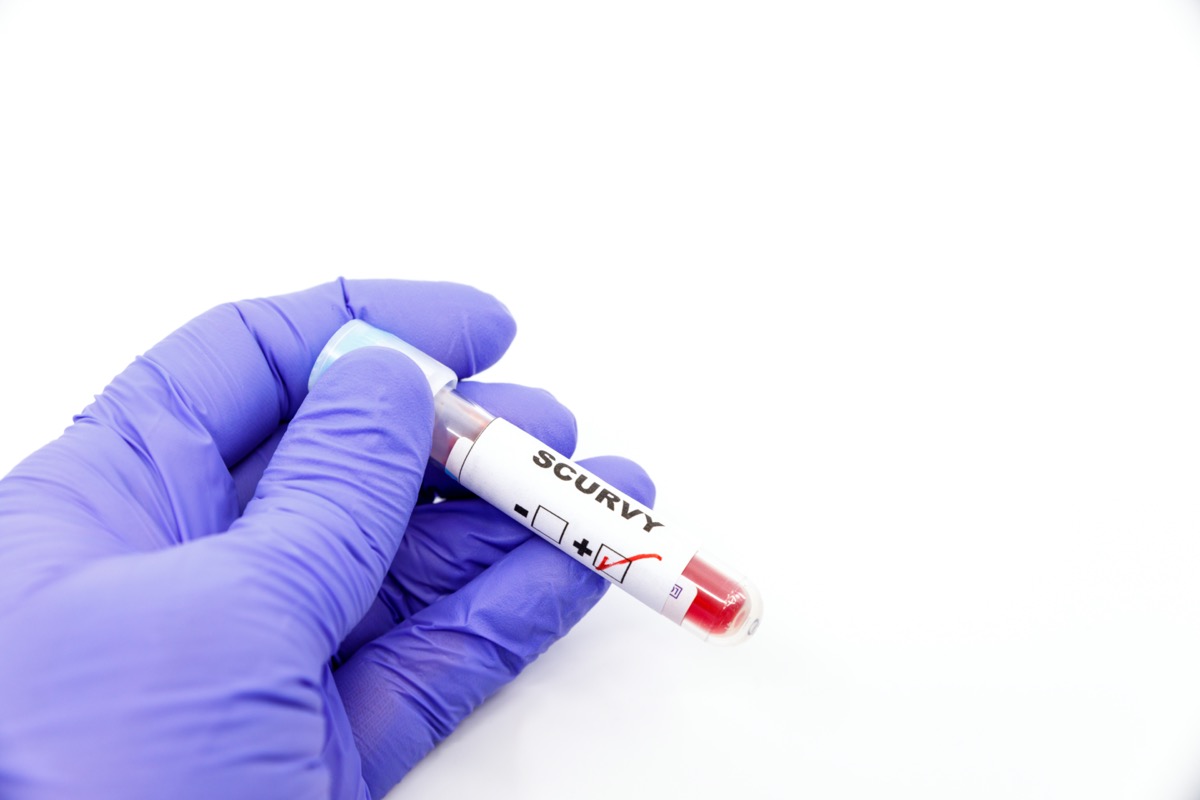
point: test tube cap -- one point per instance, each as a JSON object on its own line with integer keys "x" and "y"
{"x": 356, "y": 333}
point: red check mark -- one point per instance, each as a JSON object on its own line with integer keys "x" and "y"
{"x": 605, "y": 563}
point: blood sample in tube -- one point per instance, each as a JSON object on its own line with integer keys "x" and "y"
{"x": 629, "y": 544}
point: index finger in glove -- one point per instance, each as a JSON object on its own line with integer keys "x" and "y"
{"x": 241, "y": 369}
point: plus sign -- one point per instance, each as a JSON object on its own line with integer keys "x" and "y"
{"x": 582, "y": 547}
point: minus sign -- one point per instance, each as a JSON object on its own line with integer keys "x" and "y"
{"x": 522, "y": 511}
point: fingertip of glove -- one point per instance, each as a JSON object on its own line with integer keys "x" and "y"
{"x": 625, "y": 475}
{"x": 557, "y": 425}
{"x": 488, "y": 328}
{"x": 465, "y": 328}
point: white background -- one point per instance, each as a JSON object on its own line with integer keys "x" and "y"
{"x": 896, "y": 301}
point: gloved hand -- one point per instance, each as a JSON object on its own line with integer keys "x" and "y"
{"x": 213, "y": 586}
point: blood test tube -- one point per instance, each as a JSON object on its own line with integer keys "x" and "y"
{"x": 584, "y": 517}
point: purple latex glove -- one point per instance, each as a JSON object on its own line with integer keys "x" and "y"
{"x": 337, "y": 627}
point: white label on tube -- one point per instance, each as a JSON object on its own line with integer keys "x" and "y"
{"x": 583, "y": 516}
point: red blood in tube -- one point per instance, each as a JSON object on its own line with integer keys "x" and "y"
{"x": 721, "y": 603}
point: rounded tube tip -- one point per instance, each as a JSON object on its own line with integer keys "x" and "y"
{"x": 727, "y": 609}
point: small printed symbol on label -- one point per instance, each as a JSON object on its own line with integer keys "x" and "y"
{"x": 582, "y": 548}
{"x": 524, "y": 512}
{"x": 676, "y": 590}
